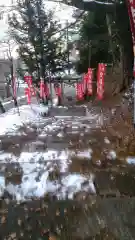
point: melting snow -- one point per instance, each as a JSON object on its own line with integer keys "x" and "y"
{"x": 35, "y": 182}
{"x": 11, "y": 121}
{"x": 36, "y": 166}
{"x": 130, "y": 160}
{"x": 83, "y": 154}
{"x": 106, "y": 140}
{"x": 112, "y": 155}
{"x": 2, "y": 185}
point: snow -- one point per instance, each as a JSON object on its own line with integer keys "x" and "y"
{"x": 73, "y": 184}
{"x": 12, "y": 120}
{"x": 36, "y": 166}
{"x": 2, "y": 185}
{"x": 106, "y": 140}
{"x": 35, "y": 179}
{"x": 112, "y": 155}
{"x": 12, "y": 101}
{"x": 83, "y": 154}
{"x": 5, "y": 156}
{"x": 130, "y": 160}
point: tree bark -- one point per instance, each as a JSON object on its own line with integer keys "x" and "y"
{"x": 2, "y": 108}
{"x": 123, "y": 24}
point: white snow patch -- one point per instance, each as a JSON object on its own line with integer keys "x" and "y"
{"x": 35, "y": 181}
{"x": 4, "y": 157}
{"x": 83, "y": 154}
{"x": 2, "y": 185}
{"x": 73, "y": 184}
{"x": 55, "y": 101}
{"x": 49, "y": 155}
{"x": 98, "y": 162}
{"x": 130, "y": 160}
{"x": 60, "y": 135}
{"x": 11, "y": 121}
{"x": 112, "y": 155}
{"x": 106, "y": 140}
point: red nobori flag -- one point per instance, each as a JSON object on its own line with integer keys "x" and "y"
{"x": 46, "y": 90}
{"x": 28, "y": 80}
{"x": 84, "y": 83}
{"x": 131, "y": 13}
{"x": 89, "y": 81}
{"x": 100, "y": 80}
{"x": 79, "y": 91}
{"x": 42, "y": 89}
{"x": 28, "y": 95}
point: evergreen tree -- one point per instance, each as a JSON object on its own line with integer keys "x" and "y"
{"x": 34, "y": 30}
{"x": 120, "y": 40}
{"x": 94, "y": 41}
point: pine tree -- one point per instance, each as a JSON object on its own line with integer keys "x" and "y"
{"x": 120, "y": 42}
{"x": 94, "y": 41}
{"x": 34, "y": 30}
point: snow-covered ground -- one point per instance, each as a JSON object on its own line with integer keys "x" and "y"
{"x": 37, "y": 166}
{"x": 49, "y": 153}
{"x": 12, "y": 120}
{"x": 48, "y": 157}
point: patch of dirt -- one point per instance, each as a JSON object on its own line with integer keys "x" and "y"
{"x": 119, "y": 129}
{"x": 97, "y": 218}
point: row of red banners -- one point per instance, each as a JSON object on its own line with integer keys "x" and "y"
{"x": 81, "y": 87}
{"x": 44, "y": 89}
{"x": 86, "y": 85}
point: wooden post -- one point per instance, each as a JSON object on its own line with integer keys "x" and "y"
{"x": 51, "y": 94}
{"x": 62, "y": 92}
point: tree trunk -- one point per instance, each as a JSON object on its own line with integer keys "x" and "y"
{"x": 126, "y": 45}
{"x": 12, "y": 83}
{"x": 2, "y": 108}
{"x": 109, "y": 27}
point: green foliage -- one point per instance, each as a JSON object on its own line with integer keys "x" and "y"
{"x": 94, "y": 41}
{"x": 106, "y": 37}
{"x": 34, "y": 30}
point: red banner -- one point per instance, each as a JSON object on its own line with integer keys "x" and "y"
{"x": 42, "y": 89}
{"x": 100, "y": 80}
{"x": 28, "y": 95}
{"x": 84, "y": 83}
{"x": 28, "y": 80}
{"x": 89, "y": 81}
{"x": 46, "y": 90}
{"x": 79, "y": 91}
{"x": 131, "y": 13}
